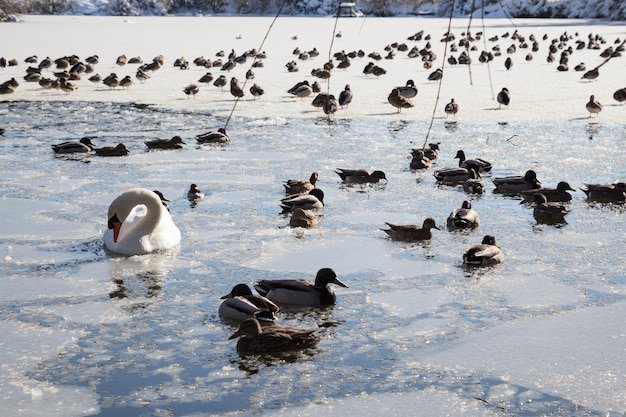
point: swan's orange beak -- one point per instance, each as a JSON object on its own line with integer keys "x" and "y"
{"x": 115, "y": 224}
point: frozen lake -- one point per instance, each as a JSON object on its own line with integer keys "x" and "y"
{"x": 86, "y": 333}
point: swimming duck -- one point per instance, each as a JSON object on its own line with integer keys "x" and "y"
{"x": 408, "y": 90}
{"x": 430, "y": 151}
{"x": 397, "y": 101}
{"x": 194, "y": 193}
{"x": 240, "y": 304}
{"x": 558, "y": 194}
{"x": 220, "y": 137}
{"x": 345, "y": 97}
{"x": 314, "y": 200}
{"x": 593, "y": 106}
{"x": 480, "y": 164}
{"x": 606, "y": 193}
{"x": 411, "y": 232}
{"x": 451, "y": 176}
{"x": 302, "y": 292}
{"x": 504, "y": 97}
{"x": 463, "y": 218}
{"x": 303, "y": 218}
{"x": 474, "y": 183}
{"x": 360, "y": 176}
{"x": 545, "y": 212}
{"x": 452, "y": 108}
{"x": 135, "y": 231}
{"x": 272, "y": 339}
{"x": 301, "y": 186}
{"x": 174, "y": 143}
{"x": 484, "y": 254}
{"x": 84, "y": 145}
{"x": 118, "y": 150}
{"x": 516, "y": 184}
{"x": 419, "y": 161}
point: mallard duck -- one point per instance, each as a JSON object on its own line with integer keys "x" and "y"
{"x": 330, "y": 105}
{"x": 474, "y": 183}
{"x": 303, "y": 218}
{"x": 220, "y": 81}
{"x": 345, "y": 97}
{"x": 396, "y": 100}
{"x": 256, "y": 91}
{"x": 606, "y": 193}
{"x": 451, "y": 108}
{"x": 463, "y": 218}
{"x": 272, "y": 339}
{"x": 314, "y": 200}
{"x": 301, "y": 186}
{"x": 620, "y": 95}
{"x": 240, "y": 304}
{"x": 408, "y": 90}
{"x": 301, "y": 292}
{"x": 360, "y": 176}
{"x": 191, "y": 90}
{"x": 194, "y": 193}
{"x": 118, "y": 150}
{"x": 301, "y": 89}
{"x": 451, "y": 176}
{"x": 220, "y": 137}
{"x": 593, "y": 106}
{"x": 411, "y": 232}
{"x": 84, "y": 145}
{"x": 419, "y": 161}
{"x": 435, "y": 75}
{"x": 516, "y": 184}
{"x": 545, "y": 212}
{"x": 174, "y": 143}
{"x": 235, "y": 88}
{"x": 558, "y": 194}
{"x": 504, "y": 97}
{"x": 484, "y": 254}
{"x": 430, "y": 151}
{"x": 480, "y": 164}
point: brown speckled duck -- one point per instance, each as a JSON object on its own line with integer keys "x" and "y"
{"x": 298, "y": 186}
{"x": 606, "y": 193}
{"x": 118, "y": 150}
{"x": 545, "y": 212}
{"x": 253, "y": 339}
{"x": 558, "y": 194}
{"x": 396, "y": 100}
{"x": 411, "y": 232}
{"x": 360, "y": 176}
{"x": 174, "y": 143}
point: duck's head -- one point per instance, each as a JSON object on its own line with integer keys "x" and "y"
{"x": 429, "y": 223}
{"x": 248, "y": 328}
{"x": 490, "y": 240}
{"x": 317, "y": 193}
{"x": 327, "y": 276}
{"x": 238, "y": 290}
{"x": 540, "y": 198}
{"x": 460, "y": 155}
{"x": 467, "y": 204}
{"x": 379, "y": 174}
{"x": 563, "y": 186}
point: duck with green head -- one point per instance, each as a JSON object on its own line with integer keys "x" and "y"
{"x": 240, "y": 304}
{"x": 301, "y": 292}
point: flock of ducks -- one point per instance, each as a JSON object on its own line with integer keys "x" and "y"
{"x": 132, "y": 232}
{"x": 64, "y": 73}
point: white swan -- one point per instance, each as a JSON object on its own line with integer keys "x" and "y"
{"x": 138, "y": 223}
